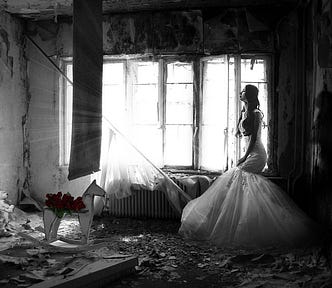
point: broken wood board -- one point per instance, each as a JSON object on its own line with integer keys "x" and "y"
{"x": 96, "y": 274}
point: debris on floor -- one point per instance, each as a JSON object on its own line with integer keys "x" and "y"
{"x": 164, "y": 259}
{"x": 167, "y": 260}
{"x": 27, "y": 260}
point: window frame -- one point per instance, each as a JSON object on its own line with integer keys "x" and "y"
{"x": 197, "y": 68}
{"x": 272, "y": 117}
{"x": 193, "y": 61}
{"x": 64, "y": 140}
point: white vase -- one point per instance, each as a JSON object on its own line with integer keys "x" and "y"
{"x": 51, "y": 224}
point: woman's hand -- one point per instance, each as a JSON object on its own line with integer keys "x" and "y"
{"x": 241, "y": 160}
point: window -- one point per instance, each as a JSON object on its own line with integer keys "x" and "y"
{"x": 218, "y": 113}
{"x": 180, "y": 114}
{"x": 179, "y": 121}
{"x": 65, "y": 117}
{"x": 222, "y": 80}
{"x": 143, "y": 108}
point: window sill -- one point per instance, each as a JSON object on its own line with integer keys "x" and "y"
{"x": 189, "y": 172}
{"x": 180, "y": 173}
{"x": 175, "y": 171}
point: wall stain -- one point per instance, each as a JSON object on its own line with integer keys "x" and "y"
{"x": 178, "y": 32}
{"x": 4, "y": 50}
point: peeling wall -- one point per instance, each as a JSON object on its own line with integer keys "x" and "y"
{"x": 13, "y": 107}
{"x": 305, "y": 74}
{"x": 192, "y": 32}
{"x": 47, "y": 176}
{"x": 319, "y": 86}
{"x": 285, "y": 92}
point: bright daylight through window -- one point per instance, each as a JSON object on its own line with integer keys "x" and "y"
{"x": 176, "y": 118}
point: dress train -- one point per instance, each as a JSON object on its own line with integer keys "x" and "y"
{"x": 243, "y": 209}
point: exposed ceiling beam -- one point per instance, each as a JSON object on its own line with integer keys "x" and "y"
{"x": 44, "y": 9}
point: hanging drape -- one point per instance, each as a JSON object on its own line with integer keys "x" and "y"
{"x": 123, "y": 168}
{"x": 87, "y": 89}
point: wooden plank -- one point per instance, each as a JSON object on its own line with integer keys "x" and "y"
{"x": 96, "y": 274}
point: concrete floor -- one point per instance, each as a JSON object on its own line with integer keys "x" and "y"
{"x": 164, "y": 258}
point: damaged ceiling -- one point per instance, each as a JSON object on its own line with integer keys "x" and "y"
{"x": 44, "y": 9}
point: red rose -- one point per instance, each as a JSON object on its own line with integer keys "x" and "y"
{"x": 63, "y": 203}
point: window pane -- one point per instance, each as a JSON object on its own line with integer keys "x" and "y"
{"x": 179, "y": 104}
{"x": 254, "y": 72}
{"x": 179, "y": 110}
{"x": 215, "y": 104}
{"x": 213, "y": 142}
{"x": 144, "y": 99}
{"x": 263, "y": 93}
{"x": 145, "y": 104}
{"x": 148, "y": 140}
{"x": 145, "y": 91}
{"x": 232, "y": 115}
{"x": 113, "y": 73}
{"x": 68, "y": 100}
{"x": 114, "y": 99}
{"x": 178, "y": 146}
{"x": 145, "y": 72}
{"x": 114, "y": 104}
{"x": 179, "y": 72}
{"x": 69, "y": 72}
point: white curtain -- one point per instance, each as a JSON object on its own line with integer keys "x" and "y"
{"x": 124, "y": 168}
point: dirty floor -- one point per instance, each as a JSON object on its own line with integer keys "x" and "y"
{"x": 164, "y": 258}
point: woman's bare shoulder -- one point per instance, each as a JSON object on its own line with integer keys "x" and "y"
{"x": 258, "y": 114}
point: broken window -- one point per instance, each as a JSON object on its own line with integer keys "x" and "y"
{"x": 176, "y": 114}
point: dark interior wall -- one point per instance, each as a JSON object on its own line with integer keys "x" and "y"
{"x": 285, "y": 91}
{"x": 318, "y": 73}
{"x": 191, "y": 32}
{"x": 308, "y": 94}
{"x": 293, "y": 108}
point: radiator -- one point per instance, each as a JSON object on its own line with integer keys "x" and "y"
{"x": 142, "y": 204}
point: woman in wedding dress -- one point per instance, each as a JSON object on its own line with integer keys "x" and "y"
{"x": 242, "y": 208}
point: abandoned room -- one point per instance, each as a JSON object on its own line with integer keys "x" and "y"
{"x": 165, "y": 143}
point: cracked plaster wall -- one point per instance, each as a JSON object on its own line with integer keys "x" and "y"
{"x": 13, "y": 109}
{"x": 319, "y": 82}
{"x": 47, "y": 176}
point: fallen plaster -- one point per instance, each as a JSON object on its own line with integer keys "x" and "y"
{"x": 37, "y": 263}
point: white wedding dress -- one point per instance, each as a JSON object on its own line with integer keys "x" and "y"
{"x": 246, "y": 210}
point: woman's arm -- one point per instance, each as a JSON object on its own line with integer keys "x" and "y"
{"x": 238, "y": 132}
{"x": 252, "y": 139}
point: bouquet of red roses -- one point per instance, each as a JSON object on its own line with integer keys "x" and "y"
{"x": 65, "y": 203}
